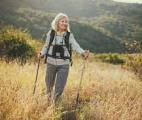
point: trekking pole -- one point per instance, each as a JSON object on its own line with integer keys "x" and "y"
{"x": 78, "y": 93}
{"x": 36, "y": 76}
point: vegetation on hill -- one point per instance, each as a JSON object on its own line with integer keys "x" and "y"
{"x": 99, "y": 25}
{"x": 16, "y": 44}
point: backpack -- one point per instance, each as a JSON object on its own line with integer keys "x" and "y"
{"x": 67, "y": 44}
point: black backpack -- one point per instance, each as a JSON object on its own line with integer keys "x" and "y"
{"x": 67, "y": 44}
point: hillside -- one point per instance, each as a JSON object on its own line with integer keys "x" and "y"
{"x": 99, "y": 25}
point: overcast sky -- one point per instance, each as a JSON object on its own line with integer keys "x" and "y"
{"x": 130, "y": 1}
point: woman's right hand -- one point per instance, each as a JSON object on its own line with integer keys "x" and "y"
{"x": 85, "y": 55}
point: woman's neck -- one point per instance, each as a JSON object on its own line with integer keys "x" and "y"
{"x": 60, "y": 30}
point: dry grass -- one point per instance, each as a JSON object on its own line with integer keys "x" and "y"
{"x": 108, "y": 93}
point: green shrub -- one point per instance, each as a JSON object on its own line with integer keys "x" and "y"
{"x": 133, "y": 46}
{"x": 110, "y": 58}
{"x": 15, "y": 44}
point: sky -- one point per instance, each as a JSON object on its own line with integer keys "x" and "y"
{"x": 130, "y": 1}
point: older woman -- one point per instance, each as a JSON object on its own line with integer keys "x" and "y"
{"x": 57, "y": 49}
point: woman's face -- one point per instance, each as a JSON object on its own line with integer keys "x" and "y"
{"x": 63, "y": 24}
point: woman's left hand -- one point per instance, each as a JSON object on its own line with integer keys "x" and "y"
{"x": 85, "y": 54}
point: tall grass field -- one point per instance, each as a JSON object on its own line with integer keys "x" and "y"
{"x": 107, "y": 92}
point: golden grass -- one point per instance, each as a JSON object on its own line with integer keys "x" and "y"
{"x": 108, "y": 93}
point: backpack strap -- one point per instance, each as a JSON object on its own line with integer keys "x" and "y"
{"x": 68, "y": 45}
{"x": 52, "y": 34}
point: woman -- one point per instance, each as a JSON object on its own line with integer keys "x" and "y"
{"x": 59, "y": 43}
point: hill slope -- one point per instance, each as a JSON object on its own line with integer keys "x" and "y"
{"x": 99, "y": 25}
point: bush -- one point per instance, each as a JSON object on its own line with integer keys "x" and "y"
{"x": 15, "y": 44}
{"x": 134, "y": 63}
{"x": 133, "y": 46}
{"x": 110, "y": 58}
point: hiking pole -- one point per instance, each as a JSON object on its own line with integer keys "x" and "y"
{"x": 36, "y": 76}
{"x": 78, "y": 93}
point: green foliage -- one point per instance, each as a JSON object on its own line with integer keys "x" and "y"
{"x": 99, "y": 25}
{"x": 110, "y": 58}
{"x": 93, "y": 39}
{"x": 15, "y": 44}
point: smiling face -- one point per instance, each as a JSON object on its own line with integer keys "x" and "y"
{"x": 63, "y": 24}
